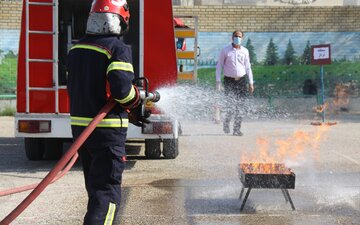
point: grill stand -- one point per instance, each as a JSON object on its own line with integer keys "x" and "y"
{"x": 284, "y": 191}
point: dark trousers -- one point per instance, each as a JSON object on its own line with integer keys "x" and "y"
{"x": 235, "y": 94}
{"x": 103, "y": 168}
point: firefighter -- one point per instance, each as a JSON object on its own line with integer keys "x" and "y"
{"x": 99, "y": 68}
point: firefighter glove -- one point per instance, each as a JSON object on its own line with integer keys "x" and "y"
{"x": 136, "y": 116}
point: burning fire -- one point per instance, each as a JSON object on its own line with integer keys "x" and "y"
{"x": 296, "y": 148}
{"x": 340, "y": 101}
{"x": 321, "y": 108}
{"x": 262, "y": 168}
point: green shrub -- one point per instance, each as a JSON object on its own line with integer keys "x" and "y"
{"x": 7, "y": 111}
{"x": 8, "y": 75}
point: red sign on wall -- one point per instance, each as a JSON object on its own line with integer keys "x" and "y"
{"x": 320, "y": 54}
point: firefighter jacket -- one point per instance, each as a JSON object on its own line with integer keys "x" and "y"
{"x": 100, "y": 67}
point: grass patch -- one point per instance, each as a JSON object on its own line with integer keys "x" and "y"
{"x": 8, "y": 111}
{"x": 8, "y": 73}
{"x": 289, "y": 80}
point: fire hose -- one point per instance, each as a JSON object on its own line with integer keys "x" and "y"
{"x": 59, "y": 165}
{"x": 32, "y": 186}
{"x": 69, "y": 158}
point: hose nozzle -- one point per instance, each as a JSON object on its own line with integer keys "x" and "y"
{"x": 150, "y": 96}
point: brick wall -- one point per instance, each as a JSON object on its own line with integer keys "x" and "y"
{"x": 10, "y": 14}
{"x": 248, "y": 18}
{"x": 274, "y": 19}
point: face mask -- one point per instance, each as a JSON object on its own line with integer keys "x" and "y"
{"x": 237, "y": 41}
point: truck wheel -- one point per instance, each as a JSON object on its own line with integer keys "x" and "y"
{"x": 53, "y": 148}
{"x": 152, "y": 148}
{"x": 34, "y": 148}
{"x": 170, "y": 148}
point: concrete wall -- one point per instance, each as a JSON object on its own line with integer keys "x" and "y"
{"x": 7, "y": 103}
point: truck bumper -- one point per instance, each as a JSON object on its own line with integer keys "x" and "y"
{"x": 60, "y": 127}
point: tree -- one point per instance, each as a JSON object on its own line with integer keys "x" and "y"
{"x": 306, "y": 56}
{"x": 289, "y": 56}
{"x": 1, "y": 57}
{"x": 271, "y": 57}
{"x": 252, "y": 53}
{"x": 10, "y": 54}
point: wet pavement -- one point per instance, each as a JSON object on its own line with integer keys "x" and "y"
{"x": 202, "y": 186}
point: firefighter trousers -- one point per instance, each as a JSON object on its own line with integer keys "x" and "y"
{"x": 103, "y": 168}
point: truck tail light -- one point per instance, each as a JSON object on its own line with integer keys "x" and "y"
{"x": 158, "y": 128}
{"x": 34, "y": 126}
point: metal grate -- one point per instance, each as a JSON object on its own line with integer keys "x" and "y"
{"x": 266, "y": 176}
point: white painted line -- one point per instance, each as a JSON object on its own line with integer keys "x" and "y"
{"x": 347, "y": 157}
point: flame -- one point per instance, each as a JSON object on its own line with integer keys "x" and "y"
{"x": 262, "y": 168}
{"x": 296, "y": 148}
{"x": 340, "y": 101}
{"x": 321, "y": 108}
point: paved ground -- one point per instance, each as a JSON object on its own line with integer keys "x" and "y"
{"x": 201, "y": 186}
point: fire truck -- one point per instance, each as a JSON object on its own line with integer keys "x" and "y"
{"x": 49, "y": 28}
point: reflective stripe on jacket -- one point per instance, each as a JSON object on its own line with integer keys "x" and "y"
{"x": 107, "y": 122}
{"x": 116, "y": 65}
{"x": 100, "y": 67}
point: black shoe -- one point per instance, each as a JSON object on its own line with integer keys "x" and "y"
{"x": 226, "y": 128}
{"x": 238, "y": 133}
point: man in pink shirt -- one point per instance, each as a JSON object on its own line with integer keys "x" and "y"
{"x": 234, "y": 63}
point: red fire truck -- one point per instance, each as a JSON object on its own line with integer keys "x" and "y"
{"x": 48, "y": 30}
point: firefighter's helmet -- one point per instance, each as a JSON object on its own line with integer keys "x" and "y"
{"x": 119, "y": 7}
{"x": 108, "y": 17}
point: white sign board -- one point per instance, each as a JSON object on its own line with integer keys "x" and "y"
{"x": 321, "y": 53}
